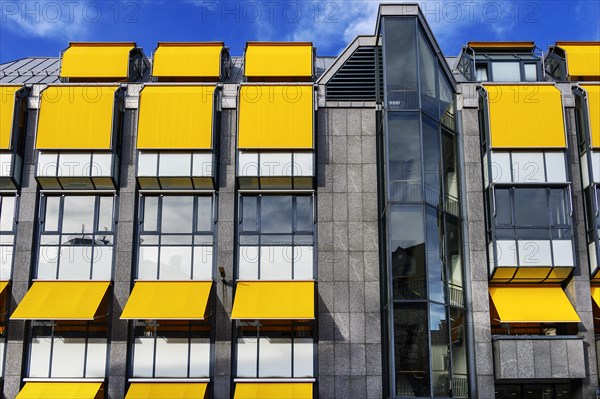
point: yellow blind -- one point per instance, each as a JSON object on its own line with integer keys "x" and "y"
{"x": 166, "y": 390}
{"x": 187, "y": 60}
{"x": 276, "y": 117}
{"x": 593, "y": 100}
{"x": 278, "y": 59}
{"x": 533, "y": 304}
{"x": 176, "y": 117}
{"x": 7, "y": 110}
{"x": 96, "y": 60}
{"x": 295, "y": 390}
{"x": 583, "y": 59}
{"x": 76, "y": 117}
{"x": 525, "y": 116}
{"x": 274, "y": 300}
{"x": 62, "y": 390}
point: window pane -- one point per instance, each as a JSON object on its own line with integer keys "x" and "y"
{"x": 102, "y": 263}
{"x": 276, "y": 164}
{"x": 275, "y": 263}
{"x": 450, "y": 166}
{"x": 303, "y": 358}
{"x": 531, "y": 207}
{"x": 175, "y": 263}
{"x": 248, "y": 263}
{"x": 303, "y": 263}
{"x": 203, "y": 263}
{"x": 438, "y": 324}
{"x": 148, "y": 263}
{"x": 177, "y": 214}
{"x": 6, "y": 257}
{"x": 200, "y": 358}
{"x": 246, "y": 357}
{"x": 276, "y": 214}
{"x": 304, "y": 213}
{"x": 75, "y": 263}
{"x": 39, "y": 364}
{"x": 432, "y": 161}
{"x": 147, "y": 163}
{"x": 143, "y": 357}
{"x": 202, "y": 164}
{"x": 47, "y": 164}
{"x": 404, "y": 146}
{"x": 530, "y": 72}
{"x": 74, "y": 165}
{"x": 454, "y": 259}
{"x": 150, "y": 214}
{"x": 506, "y": 71}
{"x": 175, "y": 164}
{"x": 459, "y": 353}
{"x": 52, "y": 213}
{"x": 101, "y": 164}
{"x": 411, "y": 349}
{"x": 68, "y": 355}
{"x": 435, "y": 266}
{"x": 105, "y": 217}
{"x": 528, "y": 167}
{"x": 78, "y": 214}
{"x": 247, "y": 163}
{"x": 96, "y": 358}
{"x": 428, "y": 73}
{"x": 400, "y": 42}
{"x": 249, "y": 212}
{"x": 205, "y": 214}
{"x": 503, "y": 207}
{"x": 275, "y": 358}
{"x": 47, "y": 262}
{"x": 171, "y": 357}
{"x": 555, "y": 167}
{"x": 7, "y": 213}
{"x": 481, "y": 73}
{"x": 558, "y": 207}
{"x": 501, "y": 168}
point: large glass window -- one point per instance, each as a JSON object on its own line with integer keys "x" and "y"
{"x": 171, "y": 349}
{"x": 176, "y": 238}
{"x": 400, "y": 55}
{"x": 68, "y": 349}
{"x": 276, "y": 237}
{"x": 404, "y": 159}
{"x": 411, "y": 352}
{"x": 7, "y": 234}
{"x": 275, "y": 349}
{"x": 428, "y": 76}
{"x": 76, "y": 238}
{"x": 506, "y": 71}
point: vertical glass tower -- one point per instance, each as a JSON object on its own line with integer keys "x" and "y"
{"x": 421, "y": 218}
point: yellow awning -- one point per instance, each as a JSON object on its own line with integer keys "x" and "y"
{"x": 162, "y": 300}
{"x": 76, "y": 118}
{"x": 3, "y": 285}
{"x": 167, "y": 390}
{"x": 269, "y": 59}
{"x": 533, "y": 304}
{"x": 270, "y": 390}
{"x": 593, "y": 99}
{"x": 176, "y": 117}
{"x": 276, "y": 117}
{"x": 61, "y": 300}
{"x": 62, "y": 390}
{"x": 96, "y": 60}
{"x": 595, "y": 291}
{"x": 502, "y": 45}
{"x": 7, "y": 111}
{"x": 526, "y": 116}
{"x": 187, "y": 60}
{"x": 583, "y": 58}
{"x": 274, "y": 300}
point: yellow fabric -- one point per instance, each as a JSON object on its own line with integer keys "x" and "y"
{"x": 278, "y": 59}
{"x": 526, "y": 116}
{"x": 3, "y": 285}
{"x": 187, "y": 60}
{"x": 507, "y": 45}
{"x": 268, "y": 390}
{"x": 7, "y": 110}
{"x": 176, "y": 117}
{"x": 161, "y": 300}
{"x": 61, "y": 300}
{"x": 96, "y": 60}
{"x": 76, "y": 117}
{"x": 274, "y": 300}
{"x": 276, "y": 117}
{"x": 167, "y": 390}
{"x": 62, "y": 390}
{"x": 593, "y": 99}
{"x": 595, "y": 291}
{"x": 533, "y": 304}
{"x": 583, "y": 59}
{"x": 532, "y": 273}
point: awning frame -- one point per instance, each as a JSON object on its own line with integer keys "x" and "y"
{"x": 16, "y": 143}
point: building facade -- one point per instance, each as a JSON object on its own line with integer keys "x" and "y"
{"x": 387, "y": 223}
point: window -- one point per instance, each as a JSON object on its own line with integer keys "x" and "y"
{"x": 7, "y": 235}
{"x": 528, "y": 167}
{"x": 530, "y": 71}
{"x": 171, "y": 349}
{"x": 176, "y": 238}
{"x": 68, "y": 349}
{"x": 404, "y": 157}
{"x": 73, "y": 170}
{"x": 175, "y": 170}
{"x": 400, "y": 55}
{"x": 77, "y": 237}
{"x": 506, "y": 71}
{"x": 276, "y": 237}
{"x": 481, "y": 73}
{"x": 275, "y": 349}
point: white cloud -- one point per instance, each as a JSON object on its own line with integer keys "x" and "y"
{"x": 50, "y": 19}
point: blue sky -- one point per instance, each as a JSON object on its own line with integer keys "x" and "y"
{"x": 44, "y": 27}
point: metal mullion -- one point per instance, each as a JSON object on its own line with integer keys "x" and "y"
{"x": 85, "y": 352}
{"x": 51, "y": 351}
{"x": 293, "y": 335}
{"x": 258, "y": 227}
{"x": 257, "y": 348}
{"x": 189, "y": 354}
{"x": 155, "y": 326}
{"x": 159, "y": 228}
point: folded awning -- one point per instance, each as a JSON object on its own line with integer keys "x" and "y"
{"x": 61, "y": 300}
{"x": 533, "y": 304}
{"x": 276, "y": 117}
{"x": 278, "y": 59}
{"x": 7, "y": 110}
{"x": 595, "y": 291}
{"x": 593, "y": 100}
{"x": 166, "y": 390}
{"x": 163, "y": 300}
{"x": 176, "y": 117}
{"x": 187, "y": 60}
{"x": 62, "y": 390}
{"x": 583, "y": 58}
{"x": 280, "y": 390}
{"x": 76, "y": 118}
{"x": 3, "y": 285}
{"x": 288, "y": 300}
{"x": 96, "y": 60}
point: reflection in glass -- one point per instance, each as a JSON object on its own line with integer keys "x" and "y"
{"x": 400, "y": 48}
{"x": 428, "y": 73}
{"x": 304, "y": 210}
{"x": 506, "y": 71}
{"x": 404, "y": 159}
{"x": 7, "y": 213}
{"x": 531, "y": 207}
{"x": 276, "y": 214}
{"x": 204, "y": 214}
{"x": 436, "y": 275}
{"x": 78, "y": 214}
{"x": 177, "y": 214}
{"x": 438, "y": 326}
{"x": 249, "y": 213}
{"x": 105, "y": 215}
{"x": 432, "y": 162}
{"x": 454, "y": 259}
{"x": 450, "y": 173}
{"x": 407, "y": 252}
{"x": 460, "y": 385}
{"x": 150, "y": 214}
{"x": 411, "y": 349}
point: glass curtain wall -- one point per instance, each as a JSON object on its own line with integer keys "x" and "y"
{"x": 426, "y": 319}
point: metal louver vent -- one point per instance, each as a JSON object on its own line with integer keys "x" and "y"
{"x": 355, "y": 80}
